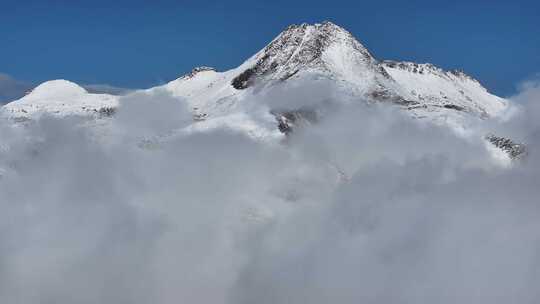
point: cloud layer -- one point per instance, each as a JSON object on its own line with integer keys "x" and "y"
{"x": 365, "y": 206}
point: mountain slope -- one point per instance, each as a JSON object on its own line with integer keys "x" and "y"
{"x": 428, "y": 86}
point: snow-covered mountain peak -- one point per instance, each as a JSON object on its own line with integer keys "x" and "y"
{"x": 59, "y": 97}
{"x": 59, "y": 88}
{"x": 320, "y": 35}
{"x": 322, "y": 47}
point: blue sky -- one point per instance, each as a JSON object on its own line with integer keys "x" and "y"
{"x": 144, "y": 43}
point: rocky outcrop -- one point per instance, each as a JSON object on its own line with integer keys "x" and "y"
{"x": 290, "y": 119}
{"x": 299, "y": 47}
{"x": 513, "y": 149}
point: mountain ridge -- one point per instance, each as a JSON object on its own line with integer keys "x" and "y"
{"x": 304, "y": 52}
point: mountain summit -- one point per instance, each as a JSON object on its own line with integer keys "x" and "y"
{"x": 325, "y": 48}
{"x": 329, "y": 51}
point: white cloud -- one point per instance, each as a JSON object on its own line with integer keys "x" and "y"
{"x": 422, "y": 217}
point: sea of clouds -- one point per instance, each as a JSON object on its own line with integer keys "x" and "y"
{"x": 364, "y": 206}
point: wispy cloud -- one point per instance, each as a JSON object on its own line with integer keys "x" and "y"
{"x": 12, "y": 89}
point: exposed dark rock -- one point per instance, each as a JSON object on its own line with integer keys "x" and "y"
{"x": 289, "y": 75}
{"x": 106, "y": 112}
{"x": 242, "y": 81}
{"x": 197, "y": 70}
{"x": 453, "y": 107}
{"x": 200, "y": 116}
{"x": 514, "y": 150}
{"x": 385, "y": 95}
{"x": 290, "y": 119}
